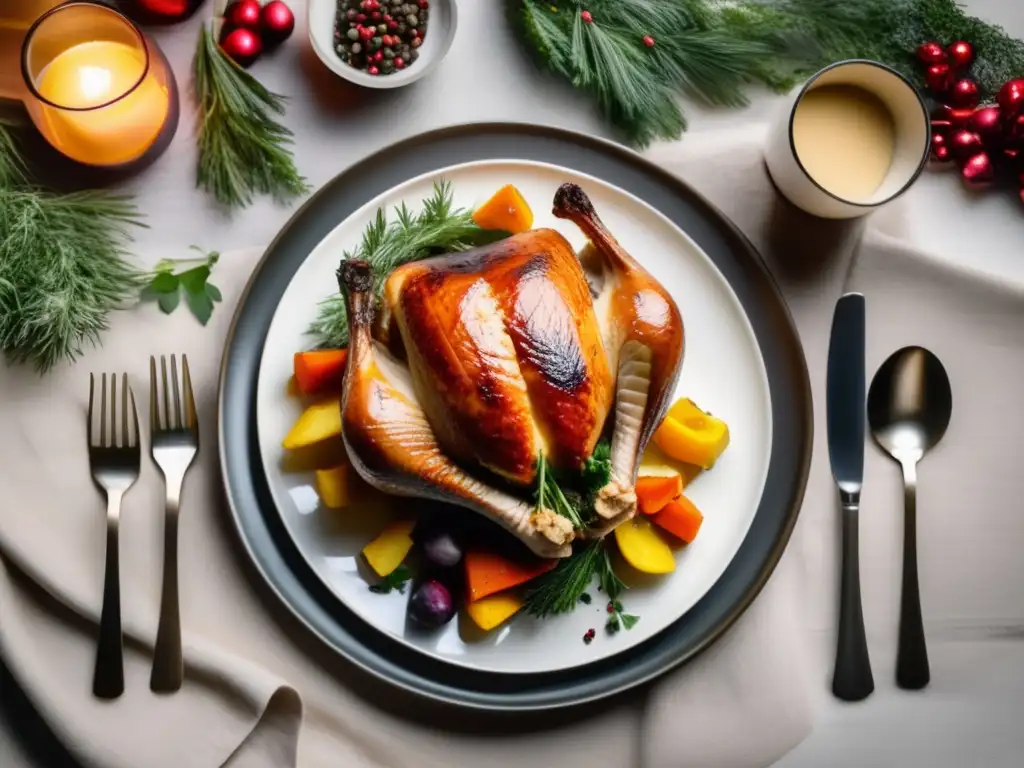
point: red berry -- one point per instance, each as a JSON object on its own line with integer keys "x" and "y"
{"x": 392, "y": 25}
{"x": 961, "y": 54}
{"x": 366, "y": 33}
{"x": 373, "y": 71}
{"x": 424, "y": 4}
{"x": 942, "y": 154}
{"x": 361, "y": 17}
{"x": 378, "y": 56}
{"x": 937, "y": 78}
{"x": 375, "y": 15}
{"x": 243, "y": 13}
{"x": 964, "y": 93}
{"x": 587, "y": 18}
{"x": 931, "y": 53}
{"x": 964, "y": 144}
{"x": 399, "y": 62}
{"x": 387, "y": 17}
{"x": 648, "y": 41}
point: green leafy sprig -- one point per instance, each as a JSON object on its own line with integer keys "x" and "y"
{"x": 167, "y": 286}
{"x": 559, "y": 590}
{"x": 396, "y": 580}
{"x": 439, "y": 227}
{"x": 243, "y": 149}
{"x": 549, "y": 495}
{"x": 712, "y": 51}
{"x": 613, "y": 587}
{"x": 64, "y": 264}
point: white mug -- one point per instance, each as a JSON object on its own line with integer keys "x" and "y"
{"x": 910, "y": 153}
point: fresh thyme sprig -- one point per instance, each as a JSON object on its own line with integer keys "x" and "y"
{"x": 439, "y": 227}
{"x": 559, "y": 590}
{"x": 243, "y": 149}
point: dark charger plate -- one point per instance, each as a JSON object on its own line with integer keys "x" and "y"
{"x": 259, "y": 522}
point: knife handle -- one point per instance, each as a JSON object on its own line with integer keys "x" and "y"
{"x": 852, "y": 680}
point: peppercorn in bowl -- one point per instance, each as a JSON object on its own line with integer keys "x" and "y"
{"x": 381, "y": 43}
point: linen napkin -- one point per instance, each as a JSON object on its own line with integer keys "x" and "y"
{"x": 260, "y": 691}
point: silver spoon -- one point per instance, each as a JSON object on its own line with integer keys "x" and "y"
{"x": 909, "y": 405}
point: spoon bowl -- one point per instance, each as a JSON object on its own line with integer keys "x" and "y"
{"x": 909, "y": 403}
{"x": 909, "y": 406}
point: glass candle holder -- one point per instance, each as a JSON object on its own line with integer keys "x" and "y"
{"x": 98, "y": 89}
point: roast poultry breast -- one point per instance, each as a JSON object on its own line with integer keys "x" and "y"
{"x": 483, "y": 364}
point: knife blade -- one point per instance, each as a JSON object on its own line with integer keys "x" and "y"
{"x": 846, "y": 396}
{"x": 846, "y": 408}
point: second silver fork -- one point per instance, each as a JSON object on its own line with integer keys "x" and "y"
{"x": 175, "y": 440}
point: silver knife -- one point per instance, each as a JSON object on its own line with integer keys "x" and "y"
{"x": 846, "y": 405}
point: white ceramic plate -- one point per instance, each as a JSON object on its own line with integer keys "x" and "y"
{"x": 722, "y": 371}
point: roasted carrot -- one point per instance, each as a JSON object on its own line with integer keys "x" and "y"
{"x": 655, "y": 491}
{"x": 681, "y": 518}
{"x": 506, "y": 210}
{"x": 487, "y": 572}
{"x": 319, "y": 370}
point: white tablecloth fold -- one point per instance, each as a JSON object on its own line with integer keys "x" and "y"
{"x": 261, "y": 692}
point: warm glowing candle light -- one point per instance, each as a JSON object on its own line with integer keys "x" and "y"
{"x": 106, "y": 115}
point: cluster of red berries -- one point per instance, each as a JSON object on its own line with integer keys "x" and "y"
{"x": 250, "y": 28}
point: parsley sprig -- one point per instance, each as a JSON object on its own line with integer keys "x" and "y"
{"x": 167, "y": 285}
{"x": 396, "y": 580}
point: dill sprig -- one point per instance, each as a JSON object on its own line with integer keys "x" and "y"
{"x": 439, "y": 227}
{"x": 243, "y": 149}
{"x": 712, "y": 50}
{"x": 63, "y": 267}
{"x": 559, "y": 590}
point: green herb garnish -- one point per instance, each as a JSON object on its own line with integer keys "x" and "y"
{"x": 611, "y": 584}
{"x": 559, "y": 591}
{"x": 243, "y": 150}
{"x": 167, "y": 286}
{"x": 439, "y": 227}
{"x": 396, "y": 580}
{"x": 64, "y": 264}
{"x": 550, "y": 496}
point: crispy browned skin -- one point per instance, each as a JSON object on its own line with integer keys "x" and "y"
{"x": 506, "y": 353}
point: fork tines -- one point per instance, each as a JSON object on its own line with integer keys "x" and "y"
{"x": 166, "y": 418}
{"x": 129, "y": 425}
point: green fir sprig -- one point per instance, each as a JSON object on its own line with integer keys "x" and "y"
{"x": 439, "y": 227}
{"x": 559, "y": 590}
{"x": 243, "y": 150}
{"x": 712, "y": 50}
{"x": 64, "y": 264}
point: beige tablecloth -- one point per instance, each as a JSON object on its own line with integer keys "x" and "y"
{"x": 260, "y": 691}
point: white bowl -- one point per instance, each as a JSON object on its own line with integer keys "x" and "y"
{"x": 437, "y": 41}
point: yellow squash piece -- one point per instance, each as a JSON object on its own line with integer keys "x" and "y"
{"x": 319, "y": 422}
{"x": 507, "y": 210}
{"x": 691, "y": 435}
{"x": 332, "y": 486}
{"x": 643, "y": 548}
{"x": 388, "y": 550}
{"x": 488, "y": 612}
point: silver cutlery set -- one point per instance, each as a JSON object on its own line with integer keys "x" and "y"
{"x": 115, "y": 450}
{"x": 908, "y": 409}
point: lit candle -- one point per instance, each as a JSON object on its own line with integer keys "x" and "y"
{"x": 99, "y": 112}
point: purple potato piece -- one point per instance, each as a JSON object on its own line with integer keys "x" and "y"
{"x": 441, "y": 550}
{"x": 431, "y": 605}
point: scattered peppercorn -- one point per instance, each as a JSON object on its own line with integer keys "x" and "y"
{"x": 585, "y": 598}
{"x": 589, "y": 636}
{"x": 380, "y": 37}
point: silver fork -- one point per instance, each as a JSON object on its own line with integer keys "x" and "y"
{"x": 115, "y": 468}
{"x": 175, "y": 439}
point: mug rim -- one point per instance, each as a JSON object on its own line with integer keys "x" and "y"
{"x": 924, "y": 113}
{"x": 30, "y": 81}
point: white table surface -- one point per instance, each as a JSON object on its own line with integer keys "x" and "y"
{"x": 488, "y": 76}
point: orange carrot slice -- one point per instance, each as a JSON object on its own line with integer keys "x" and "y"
{"x": 681, "y": 518}
{"x": 487, "y": 572}
{"x": 654, "y": 492}
{"x": 319, "y": 370}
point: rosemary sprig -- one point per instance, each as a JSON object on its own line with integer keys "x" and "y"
{"x": 559, "y": 590}
{"x": 439, "y": 227}
{"x": 243, "y": 150}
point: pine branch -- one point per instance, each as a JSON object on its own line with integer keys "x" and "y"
{"x": 243, "y": 150}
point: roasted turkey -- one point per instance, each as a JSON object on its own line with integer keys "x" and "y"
{"x": 480, "y": 363}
